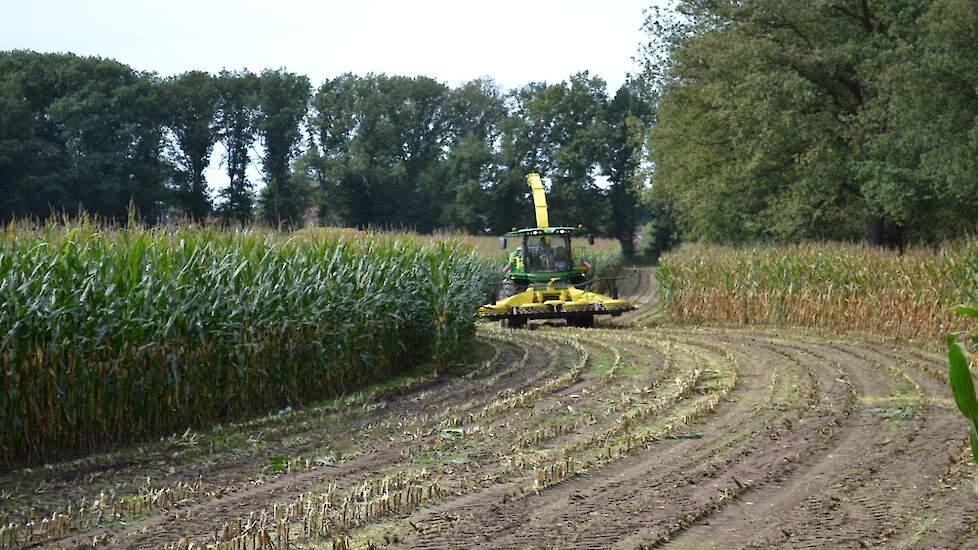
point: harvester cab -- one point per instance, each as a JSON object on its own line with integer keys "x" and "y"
{"x": 543, "y": 279}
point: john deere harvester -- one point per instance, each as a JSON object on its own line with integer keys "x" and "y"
{"x": 543, "y": 279}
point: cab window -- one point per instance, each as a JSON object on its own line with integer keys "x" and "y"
{"x": 548, "y": 253}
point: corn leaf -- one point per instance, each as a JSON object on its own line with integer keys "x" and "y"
{"x": 967, "y": 310}
{"x": 959, "y": 376}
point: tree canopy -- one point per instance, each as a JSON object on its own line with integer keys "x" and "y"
{"x": 92, "y": 134}
{"x": 752, "y": 120}
{"x": 833, "y": 119}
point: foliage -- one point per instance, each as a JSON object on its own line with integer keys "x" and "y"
{"x": 283, "y": 100}
{"x": 816, "y": 120}
{"x": 236, "y": 126}
{"x": 474, "y": 112}
{"x": 659, "y": 234}
{"x": 379, "y": 135}
{"x": 78, "y": 131}
{"x": 628, "y": 115}
{"x": 375, "y": 150}
{"x": 111, "y": 335}
{"x": 557, "y": 130}
{"x": 838, "y": 286}
{"x": 191, "y": 101}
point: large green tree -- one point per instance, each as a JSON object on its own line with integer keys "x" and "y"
{"x": 191, "y": 101}
{"x": 520, "y": 152}
{"x": 380, "y": 135}
{"x": 458, "y": 185}
{"x": 921, "y": 129}
{"x": 331, "y": 127}
{"x": 236, "y": 120}
{"x": 798, "y": 120}
{"x": 79, "y": 133}
{"x": 559, "y": 131}
{"x": 628, "y": 116}
{"x": 32, "y": 157}
{"x": 283, "y": 100}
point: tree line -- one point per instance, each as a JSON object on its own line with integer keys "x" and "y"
{"x": 754, "y": 120}
{"x": 86, "y": 133}
{"x": 831, "y": 119}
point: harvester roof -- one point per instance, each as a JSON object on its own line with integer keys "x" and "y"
{"x": 547, "y": 231}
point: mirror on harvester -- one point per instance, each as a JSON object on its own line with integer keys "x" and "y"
{"x": 502, "y": 242}
{"x": 590, "y": 238}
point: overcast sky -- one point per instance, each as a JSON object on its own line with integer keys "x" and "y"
{"x": 513, "y": 41}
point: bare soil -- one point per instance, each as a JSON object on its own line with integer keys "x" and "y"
{"x": 629, "y": 435}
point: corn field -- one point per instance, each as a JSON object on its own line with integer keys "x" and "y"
{"x": 112, "y": 335}
{"x": 835, "y": 286}
{"x": 605, "y": 254}
{"x": 544, "y": 425}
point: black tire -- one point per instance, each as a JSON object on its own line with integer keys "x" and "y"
{"x": 513, "y": 322}
{"x": 511, "y": 288}
{"x": 582, "y": 320}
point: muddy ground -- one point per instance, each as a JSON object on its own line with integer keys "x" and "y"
{"x": 628, "y": 435}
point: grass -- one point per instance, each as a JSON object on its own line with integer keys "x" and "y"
{"x": 843, "y": 287}
{"x": 110, "y": 335}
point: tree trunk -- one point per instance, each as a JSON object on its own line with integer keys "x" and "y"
{"x": 874, "y": 230}
{"x": 627, "y": 246}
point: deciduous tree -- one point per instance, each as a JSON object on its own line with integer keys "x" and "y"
{"x": 191, "y": 101}
{"x": 283, "y": 100}
{"x": 236, "y": 119}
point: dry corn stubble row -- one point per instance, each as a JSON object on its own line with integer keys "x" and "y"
{"x": 44, "y": 528}
{"x": 537, "y": 471}
{"x": 544, "y": 474}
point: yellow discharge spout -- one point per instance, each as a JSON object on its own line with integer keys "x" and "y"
{"x": 539, "y": 199}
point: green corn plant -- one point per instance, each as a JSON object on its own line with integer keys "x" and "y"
{"x": 111, "y": 335}
{"x": 959, "y": 376}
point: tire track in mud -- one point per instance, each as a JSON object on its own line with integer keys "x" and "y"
{"x": 621, "y": 498}
{"x": 623, "y": 436}
{"x": 821, "y": 504}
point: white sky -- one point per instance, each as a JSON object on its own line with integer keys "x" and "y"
{"x": 513, "y": 41}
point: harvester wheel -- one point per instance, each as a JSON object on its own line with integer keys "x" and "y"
{"x": 584, "y": 320}
{"x": 513, "y": 322}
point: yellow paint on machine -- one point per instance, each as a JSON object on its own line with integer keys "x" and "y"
{"x": 539, "y": 199}
{"x": 552, "y": 299}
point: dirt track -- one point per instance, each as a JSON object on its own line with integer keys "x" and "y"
{"x": 625, "y": 436}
